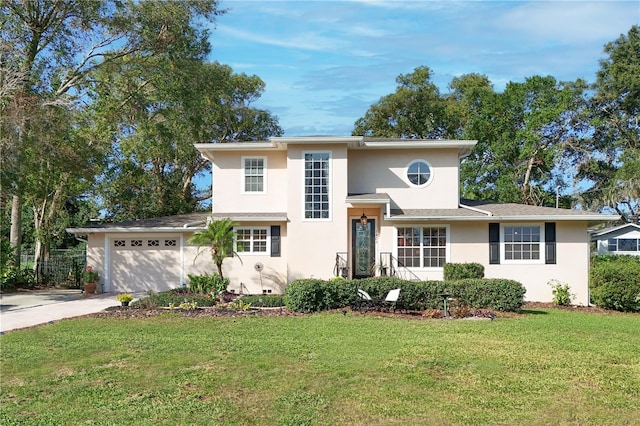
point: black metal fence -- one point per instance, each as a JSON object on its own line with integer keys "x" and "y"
{"x": 62, "y": 269}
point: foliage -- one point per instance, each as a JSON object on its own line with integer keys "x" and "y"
{"x": 89, "y": 275}
{"x": 459, "y": 271}
{"x": 240, "y": 304}
{"x": 13, "y": 278}
{"x": 615, "y": 282}
{"x": 324, "y": 369}
{"x": 174, "y": 297}
{"x": 124, "y": 297}
{"x": 219, "y": 238}
{"x": 313, "y": 295}
{"x": 265, "y": 300}
{"x": 561, "y": 292}
{"x": 185, "y": 305}
{"x": 610, "y": 161}
{"x": 208, "y": 283}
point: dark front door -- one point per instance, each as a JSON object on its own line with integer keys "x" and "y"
{"x": 363, "y": 248}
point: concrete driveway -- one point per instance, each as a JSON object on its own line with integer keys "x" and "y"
{"x": 34, "y": 307}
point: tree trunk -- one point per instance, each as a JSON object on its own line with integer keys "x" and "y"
{"x": 16, "y": 229}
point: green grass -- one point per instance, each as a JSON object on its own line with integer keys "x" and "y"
{"x": 545, "y": 367}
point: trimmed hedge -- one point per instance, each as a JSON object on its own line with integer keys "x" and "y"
{"x": 461, "y": 271}
{"x": 175, "y": 296}
{"x": 615, "y": 282}
{"x": 313, "y": 295}
{"x": 264, "y": 301}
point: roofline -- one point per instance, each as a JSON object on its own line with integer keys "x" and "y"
{"x": 526, "y": 218}
{"x": 614, "y": 229}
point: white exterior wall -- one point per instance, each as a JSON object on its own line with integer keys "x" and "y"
{"x": 372, "y": 171}
{"x": 316, "y": 240}
{"x": 470, "y": 244}
{"x": 228, "y": 182}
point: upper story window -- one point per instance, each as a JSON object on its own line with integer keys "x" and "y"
{"x": 252, "y": 240}
{"x": 419, "y": 173}
{"x": 316, "y": 185}
{"x": 522, "y": 243}
{"x": 254, "y": 176}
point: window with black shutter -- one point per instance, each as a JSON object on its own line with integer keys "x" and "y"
{"x": 494, "y": 243}
{"x": 550, "y": 243}
{"x": 275, "y": 241}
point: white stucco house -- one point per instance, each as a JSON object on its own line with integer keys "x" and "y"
{"x": 622, "y": 239}
{"x": 300, "y": 205}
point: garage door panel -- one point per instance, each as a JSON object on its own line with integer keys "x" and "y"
{"x": 143, "y": 264}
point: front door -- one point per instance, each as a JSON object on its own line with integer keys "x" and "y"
{"x": 363, "y": 248}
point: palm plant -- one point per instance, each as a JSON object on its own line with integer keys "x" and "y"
{"x": 219, "y": 238}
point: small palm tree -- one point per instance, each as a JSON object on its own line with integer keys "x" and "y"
{"x": 219, "y": 238}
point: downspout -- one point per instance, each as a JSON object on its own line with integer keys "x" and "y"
{"x": 475, "y": 209}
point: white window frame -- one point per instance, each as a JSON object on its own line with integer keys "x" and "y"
{"x": 503, "y": 243}
{"x": 618, "y": 250}
{"x": 329, "y": 187}
{"x": 422, "y": 246}
{"x": 243, "y": 188}
{"x": 406, "y": 173}
{"x": 252, "y": 240}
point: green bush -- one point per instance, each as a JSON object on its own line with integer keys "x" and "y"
{"x": 12, "y": 278}
{"x": 561, "y": 292}
{"x": 174, "y": 297}
{"x": 615, "y": 282}
{"x": 312, "y": 295}
{"x": 207, "y": 283}
{"x": 461, "y": 271}
{"x": 264, "y": 301}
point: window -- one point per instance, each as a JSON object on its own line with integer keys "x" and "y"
{"x": 418, "y": 173}
{"x": 316, "y": 185}
{"x": 136, "y": 243}
{"x": 254, "y": 174}
{"x": 153, "y": 243}
{"x": 119, "y": 243}
{"x": 252, "y": 240}
{"x": 422, "y": 247}
{"x": 624, "y": 244}
{"x": 522, "y": 242}
{"x": 170, "y": 243}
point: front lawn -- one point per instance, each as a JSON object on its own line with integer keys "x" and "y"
{"x": 547, "y": 366}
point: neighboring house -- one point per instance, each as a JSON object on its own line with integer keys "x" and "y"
{"x": 623, "y": 239}
{"x": 353, "y": 206}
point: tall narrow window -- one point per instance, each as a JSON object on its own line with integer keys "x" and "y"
{"x": 254, "y": 174}
{"x": 316, "y": 185}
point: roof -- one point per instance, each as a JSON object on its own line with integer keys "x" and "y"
{"x": 354, "y": 142}
{"x": 474, "y": 210}
{"x": 181, "y": 222}
{"x": 615, "y": 229}
{"x": 377, "y": 198}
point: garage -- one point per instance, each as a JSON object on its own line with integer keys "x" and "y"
{"x": 144, "y": 263}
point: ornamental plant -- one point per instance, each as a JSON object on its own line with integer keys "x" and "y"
{"x": 89, "y": 275}
{"x": 124, "y": 297}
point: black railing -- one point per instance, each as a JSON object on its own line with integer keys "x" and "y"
{"x": 341, "y": 268}
{"x": 391, "y": 266}
{"x": 60, "y": 271}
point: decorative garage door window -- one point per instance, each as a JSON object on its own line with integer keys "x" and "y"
{"x": 119, "y": 243}
{"x": 141, "y": 244}
{"x": 170, "y": 243}
{"x": 136, "y": 243}
{"x": 153, "y": 243}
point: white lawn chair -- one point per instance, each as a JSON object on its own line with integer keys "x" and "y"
{"x": 364, "y": 300}
{"x": 392, "y": 298}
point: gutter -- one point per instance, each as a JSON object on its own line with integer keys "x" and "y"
{"x": 475, "y": 209}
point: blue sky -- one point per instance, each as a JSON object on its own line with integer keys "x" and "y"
{"x": 325, "y": 62}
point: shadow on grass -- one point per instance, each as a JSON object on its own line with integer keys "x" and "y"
{"x": 532, "y": 312}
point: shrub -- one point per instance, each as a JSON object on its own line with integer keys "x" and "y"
{"x": 497, "y": 294}
{"x": 174, "y": 297}
{"x": 12, "y": 278}
{"x": 264, "y": 301}
{"x": 312, "y": 295}
{"x": 561, "y": 292}
{"x": 208, "y": 283}
{"x": 461, "y": 271}
{"x": 615, "y": 282}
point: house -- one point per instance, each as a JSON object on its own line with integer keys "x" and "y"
{"x": 353, "y": 206}
{"x": 622, "y": 239}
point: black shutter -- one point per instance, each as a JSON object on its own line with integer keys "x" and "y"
{"x": 550, "y": 243}
{"x": 494, "y": 243}
{"x": 275, "y": 241}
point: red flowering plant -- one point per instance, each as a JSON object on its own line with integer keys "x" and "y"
{"x": 89, "y": 275}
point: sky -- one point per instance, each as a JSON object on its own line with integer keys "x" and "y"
{"x": 326, "y": 62}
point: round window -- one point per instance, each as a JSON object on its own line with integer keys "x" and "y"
{"x": 419, "y": 173}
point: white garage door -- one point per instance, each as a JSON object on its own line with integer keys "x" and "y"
{"x": 145, "y": 263}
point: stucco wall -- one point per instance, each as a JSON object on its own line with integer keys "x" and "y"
{"x": 228, "y": 183}
{"x": 374, "y": 171}
{"x": 470, "y": 244}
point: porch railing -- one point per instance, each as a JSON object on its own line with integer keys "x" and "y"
{"x": 341, "y": 268}
{"x": 391, "y": 266}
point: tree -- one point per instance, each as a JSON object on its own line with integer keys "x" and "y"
{"x": 415, "y": 111}
{"x": 219, "y": 238}
{"x": 51, "y": 48}
{"x": 610, "y": 162}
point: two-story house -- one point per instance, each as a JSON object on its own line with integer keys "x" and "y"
{"x": 352, "y": 206}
